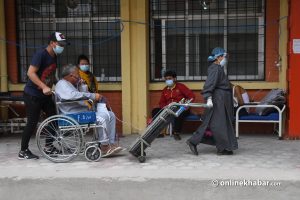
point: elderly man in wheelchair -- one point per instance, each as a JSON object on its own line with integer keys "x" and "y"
{"x": 75, "y": 106}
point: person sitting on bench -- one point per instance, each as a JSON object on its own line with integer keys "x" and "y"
{"x": 174, "y": 92}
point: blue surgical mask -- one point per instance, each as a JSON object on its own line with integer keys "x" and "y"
{"x": 84, "y": 68}
{"x": 224, "y": 62}
{"x": 169, "y": 83}
{"x": 58, "y": 49}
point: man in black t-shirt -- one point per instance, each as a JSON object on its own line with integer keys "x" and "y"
{"x": 37, "y": 91}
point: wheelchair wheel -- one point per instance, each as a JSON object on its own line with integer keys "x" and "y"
{"x": 59, "y": 138}
{"x": 93, "y": 153}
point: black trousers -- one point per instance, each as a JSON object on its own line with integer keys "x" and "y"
{"x": 178, "y": 121}
{"x": 34, "y": 106}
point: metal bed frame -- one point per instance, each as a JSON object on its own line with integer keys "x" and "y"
{"x": 15, "y": 124}
{"x": 260, "y": 119}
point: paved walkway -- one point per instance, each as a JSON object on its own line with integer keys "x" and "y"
{"x": 259, "y": 158}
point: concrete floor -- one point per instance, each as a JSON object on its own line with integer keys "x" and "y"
{"x": 170, "y": 172}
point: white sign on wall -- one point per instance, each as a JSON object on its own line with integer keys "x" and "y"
{"x": 296, "y": 46}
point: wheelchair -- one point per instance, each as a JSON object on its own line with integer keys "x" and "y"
{"x": 61, "y": 138}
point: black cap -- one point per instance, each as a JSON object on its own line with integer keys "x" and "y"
{"x": 58, "y": 37}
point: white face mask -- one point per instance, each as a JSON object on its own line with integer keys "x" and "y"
{"x": 58, "y": 49}
{"x": 224, "y": 62}
{"x": 169, "y": 83}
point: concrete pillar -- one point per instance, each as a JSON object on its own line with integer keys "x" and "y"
{"x": 294, "y": 71}
{"x": 11, "y": 35}
{"x": 3, "y": 59}
{"x": 283, "y": 41}
{"x": 135, "y": 65}
{"x": 3, "y": 64}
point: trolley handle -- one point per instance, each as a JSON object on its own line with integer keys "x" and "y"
{"x": 197, "y": 105}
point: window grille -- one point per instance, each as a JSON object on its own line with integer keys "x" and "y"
{"x": 92, "y": 27}
{"x": 184, "y": 32}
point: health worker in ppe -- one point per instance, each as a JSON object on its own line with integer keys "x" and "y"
{"x": 218, "y": 118}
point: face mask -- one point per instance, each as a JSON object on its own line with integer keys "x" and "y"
{"x": 58, "y": 49}
{"x": 224, "y": 62}
{"x": 84, "y": 68}
{"x": 169, "y": 83}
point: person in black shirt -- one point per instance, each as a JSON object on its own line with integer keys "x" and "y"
{"x": 37, "y": 91}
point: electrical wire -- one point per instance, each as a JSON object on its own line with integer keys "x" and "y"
{"x": 169, "y": 27}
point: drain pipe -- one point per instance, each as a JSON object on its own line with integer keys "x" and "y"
{"x": 3, "y": 58}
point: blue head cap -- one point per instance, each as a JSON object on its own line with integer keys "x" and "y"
{"x": 216, "y": 52}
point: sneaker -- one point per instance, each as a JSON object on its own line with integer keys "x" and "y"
{"x": 27, "y": 155}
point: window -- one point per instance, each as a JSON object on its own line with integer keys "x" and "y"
{"x": 184, "y": 32}
{"x": 92, "y": 27}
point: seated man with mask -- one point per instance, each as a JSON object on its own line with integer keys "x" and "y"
{"x": 174, "y": 92}
{"x": 71, "y": 88}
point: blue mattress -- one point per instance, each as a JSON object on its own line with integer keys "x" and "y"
{"x": 271, "y": 116}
